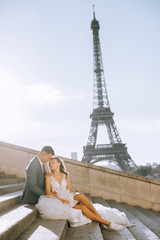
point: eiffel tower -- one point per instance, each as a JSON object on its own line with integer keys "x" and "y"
{"x": 115, "y": 151}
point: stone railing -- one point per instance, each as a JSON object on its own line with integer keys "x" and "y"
{"x": 87, "y": 178}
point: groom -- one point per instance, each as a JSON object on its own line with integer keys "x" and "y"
{"x": 35, "y": 176}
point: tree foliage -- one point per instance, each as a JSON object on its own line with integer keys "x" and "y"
{"x": 152, "y": 171}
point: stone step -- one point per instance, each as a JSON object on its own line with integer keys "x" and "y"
{"x": 9, "y": 200}
{"x": 3, "y": 175}
{"x": 15, "y": 221}
{"x": 124, "y": 234}
{"x": 45, "y": 229}
{"x": 155, "y": 216}
{"x": 139, "y": 231}
{"x": 100, "y": 201}
{"x": 88, "y": 231}
{"x": 154, "y": 226}
{"x": 11, "y": 188}
{"x": 21, "y": 223}
{"x": 8, "y": 181}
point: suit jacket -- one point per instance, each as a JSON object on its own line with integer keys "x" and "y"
{"x": 35, "y": 182}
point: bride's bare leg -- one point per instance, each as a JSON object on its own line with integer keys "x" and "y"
{"x": 88, "y": 213}
{"x": 83, "y": 199}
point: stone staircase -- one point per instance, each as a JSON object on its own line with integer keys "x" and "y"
{"x": 21, "y": 222}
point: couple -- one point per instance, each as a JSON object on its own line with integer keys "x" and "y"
{"x": 60, "y": 202}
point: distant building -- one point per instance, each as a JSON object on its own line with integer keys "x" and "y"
{"x": 74, "y": 155}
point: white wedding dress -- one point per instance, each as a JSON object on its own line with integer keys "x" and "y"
{"x": 52, "y": 208}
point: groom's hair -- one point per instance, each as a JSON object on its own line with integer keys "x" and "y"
{"x": 47, "y": 149}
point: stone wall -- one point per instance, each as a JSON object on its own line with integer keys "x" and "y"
{"x": 14, "y": 159}
{"x": 87, "y": 178}
{"x": 112, "y": 184}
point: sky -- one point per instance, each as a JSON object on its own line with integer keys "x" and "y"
{"x": 46, "y": 73}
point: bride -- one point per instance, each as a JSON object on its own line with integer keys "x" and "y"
{"x": 60, "y": 202}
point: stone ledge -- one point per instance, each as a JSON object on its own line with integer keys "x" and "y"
{"x": 9, "y": 200}
{"x": 115, "y": 172}
{"x": 13, "y": 146}
{"x": 45, "y": 229}
{"x": 4, "y": 189}
{"x": 14, "y": 222}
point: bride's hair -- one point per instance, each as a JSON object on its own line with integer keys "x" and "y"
{"x": 62, "y": 166}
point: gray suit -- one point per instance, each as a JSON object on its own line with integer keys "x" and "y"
{"x": 35, "y": 182}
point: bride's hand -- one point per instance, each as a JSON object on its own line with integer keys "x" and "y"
{"x": 73, "y": 191}
{"x": 65, "y": 201}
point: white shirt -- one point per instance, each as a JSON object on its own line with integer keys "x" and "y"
{"x": 41, "y": 164}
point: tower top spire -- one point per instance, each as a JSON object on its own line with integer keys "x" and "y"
{"x": 94, "y": 17}
{"x": 94, "y": 23}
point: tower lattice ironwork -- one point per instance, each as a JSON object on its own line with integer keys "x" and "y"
{"x": 115, "y": 151}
